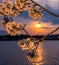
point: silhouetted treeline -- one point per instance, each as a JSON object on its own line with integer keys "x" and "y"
{"x": 16, "y": 38}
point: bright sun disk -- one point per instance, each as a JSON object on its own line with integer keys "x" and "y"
{"x": 38, "y": 25}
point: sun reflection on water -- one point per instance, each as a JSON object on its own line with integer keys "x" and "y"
{"x": 40, "y": 56}
{"x": 40, "y": 52}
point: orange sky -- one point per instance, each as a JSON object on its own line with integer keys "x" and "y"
{"x": 44, "y": 29}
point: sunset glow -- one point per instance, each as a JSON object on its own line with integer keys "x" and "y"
{"x": 40, "y": 28}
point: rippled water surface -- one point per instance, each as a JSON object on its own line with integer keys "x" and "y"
{"x": 11, "y": 54}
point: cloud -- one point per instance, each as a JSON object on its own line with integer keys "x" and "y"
{"x": 54, "y": 4}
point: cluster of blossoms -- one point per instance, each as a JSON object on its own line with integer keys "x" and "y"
{"x": 21, "y": 5}
{"x": 13, "y": 28}
{"x": 18, "y": 6}
{"x": 34, "y": 13}
{"x": 34, "y": 56}
{"x": 6, "y": 7}
{"x": 26, "y": 44}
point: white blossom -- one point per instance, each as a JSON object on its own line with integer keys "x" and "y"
{"x": 21, "y": 5}
{"x": 27, "y": 44}
{"x": 34, "y": 13}
{"x": 13, "y": 28}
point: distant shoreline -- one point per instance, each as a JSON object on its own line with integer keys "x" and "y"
{"x": 16, "y": 38}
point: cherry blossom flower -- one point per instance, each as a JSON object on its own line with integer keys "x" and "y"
{"x": 34, "y": 13}
{"x": 26, "y": 44}
{"x": 13, "y": 28}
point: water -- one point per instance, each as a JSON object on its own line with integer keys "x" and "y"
{"x": 11, "y": 54}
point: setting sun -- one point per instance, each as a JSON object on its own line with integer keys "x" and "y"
{"x": 38, "y": 25}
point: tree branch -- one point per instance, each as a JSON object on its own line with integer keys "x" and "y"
{"x": 57, "y": 15}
